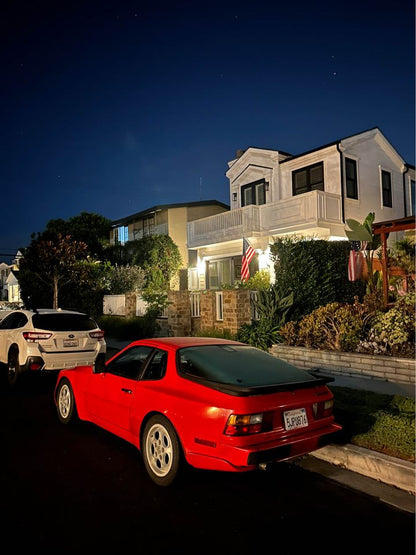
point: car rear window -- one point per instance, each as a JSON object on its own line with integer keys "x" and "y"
{"x": 64, "y": 322}
{"x": 239, "y": 366}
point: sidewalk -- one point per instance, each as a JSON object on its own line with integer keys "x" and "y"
{"x": 389, "y": 470}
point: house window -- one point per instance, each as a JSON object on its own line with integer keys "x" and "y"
{"x": 386, "y": 188}
{"x": 227, "y": 271}
{"x": 308, "y": 179}
{"x": 254, "y": 193}
{"x": 219, "y": 272}
{"x": 351, "y": 178}
{"x": 122, "y": 234}
{"x": 413, "y": 197}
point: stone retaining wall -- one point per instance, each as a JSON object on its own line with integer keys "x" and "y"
{"x": 357, "y": 365}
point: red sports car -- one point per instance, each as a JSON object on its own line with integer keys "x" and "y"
{"x": 220, "y": 404}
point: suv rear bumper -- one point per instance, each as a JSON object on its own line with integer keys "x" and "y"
{"x": 33, "y": 364}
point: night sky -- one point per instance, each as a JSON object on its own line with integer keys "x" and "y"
{"x": 113, "y": 107}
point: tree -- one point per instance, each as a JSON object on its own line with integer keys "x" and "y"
{"x": 55, "y": 263}
{"x": 88, "y": 227}
{"x": 160, "y": 259}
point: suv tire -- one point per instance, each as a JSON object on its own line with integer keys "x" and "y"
{"x": 14, "y": 371}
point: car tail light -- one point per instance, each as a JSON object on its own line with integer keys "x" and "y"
{"x": 243, "y": 424}
{"x": 97, "y": 334}
{"x": 323, "y": 408}
{"x": 34, "y": 336}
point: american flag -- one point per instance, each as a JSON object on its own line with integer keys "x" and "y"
{"x": 248, "y": 254}
{"x": 356, "y": 260}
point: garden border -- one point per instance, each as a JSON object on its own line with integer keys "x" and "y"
{"x": 356, "y": 365}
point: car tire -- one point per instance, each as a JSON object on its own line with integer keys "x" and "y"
{"x": 14, "y": 372}
{"x": 161, "y": 450}
{"x": 65, "y": 403}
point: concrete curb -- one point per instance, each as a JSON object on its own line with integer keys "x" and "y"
{"x": 389, "y": 470}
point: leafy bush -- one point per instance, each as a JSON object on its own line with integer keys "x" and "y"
{"x": 272, "y": 306}
{"x": 358, "y": 327}
{"x": 119, "y": 327}
{"x": 335, "y": 326}
{"x": 393, "y": 332}
{"x": 316, "y": 271}
{"x": 261, "y": 334}
{"x": 383, "y": 423}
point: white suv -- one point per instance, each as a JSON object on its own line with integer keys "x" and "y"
{"x": 48, "y": 340}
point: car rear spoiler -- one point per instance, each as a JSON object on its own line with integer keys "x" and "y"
{"x": 245, "y": 391}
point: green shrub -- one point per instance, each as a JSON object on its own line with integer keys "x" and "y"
{"x": 357, "y": 327}
{"x": 261, "y": 334}
{"x": 393, "y": 332}
{"x": 119, "y": 327}
{"x": 316, "y": 271}
{"x": 335, "y": 326}
{"x": 383, "y": 423}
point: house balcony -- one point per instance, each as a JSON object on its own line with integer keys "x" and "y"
{"x": 161, "y": 229}
{"x": 315, "y": 213}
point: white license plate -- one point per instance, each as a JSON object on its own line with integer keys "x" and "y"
{"x": 295, "y": 419}
{"x": 70, "y": 342}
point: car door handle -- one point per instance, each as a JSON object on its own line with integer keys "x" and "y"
{"x": 126, "y": 390}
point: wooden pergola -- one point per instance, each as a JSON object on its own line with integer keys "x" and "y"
{"x": 384, "y": 229}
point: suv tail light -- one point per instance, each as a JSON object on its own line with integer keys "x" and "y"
{"x": 34, "y": 336}
{"x": 97, "y": 334}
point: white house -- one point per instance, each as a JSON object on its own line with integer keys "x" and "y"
{"x": 9, "y": 284}
{"x": 273, "y": 193}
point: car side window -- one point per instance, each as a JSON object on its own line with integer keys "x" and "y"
{"x": 130, "y": 363}
{"x": 156, "y": 367}
{"x": 13, "y": 321}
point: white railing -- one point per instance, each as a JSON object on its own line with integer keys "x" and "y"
{"x": 136, "y": 234}
{"x": 284, "y": 216}
{"x": 195, "y": 304}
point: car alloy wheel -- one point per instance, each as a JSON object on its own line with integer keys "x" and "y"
{"x": 65, "y": 402}
{"x": 161, "y": 450}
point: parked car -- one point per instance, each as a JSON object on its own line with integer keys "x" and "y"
{"x": 46, "y": 339}
{"x": 219, "y": 404}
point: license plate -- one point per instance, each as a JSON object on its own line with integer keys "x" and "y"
{"x": 70, "y": 342}
{"x": 295, "y": 419}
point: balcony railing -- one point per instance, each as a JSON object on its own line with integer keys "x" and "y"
{"x": 295, "y": 214}
{"x": 161, "y": 229}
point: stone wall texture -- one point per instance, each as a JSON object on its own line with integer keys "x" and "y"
{"x": 392, "y": 369}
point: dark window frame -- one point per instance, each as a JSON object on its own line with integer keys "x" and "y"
{"x": 386, "y": 189}
{"x": 254, "y": 190}
{"x": 309, "y": 184}
{"x": 351, "y": 178}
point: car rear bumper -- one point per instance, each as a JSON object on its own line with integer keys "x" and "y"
{"x": 240, "y": 459}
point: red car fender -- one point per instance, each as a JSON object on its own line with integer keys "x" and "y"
{"x": 78, "y": 378}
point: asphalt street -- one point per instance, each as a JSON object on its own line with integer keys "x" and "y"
{"x": 71, "y": 488}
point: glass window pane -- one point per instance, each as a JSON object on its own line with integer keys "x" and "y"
{"x": 260, "y": 194}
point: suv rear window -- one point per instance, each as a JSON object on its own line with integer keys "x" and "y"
{"x": 63, "y": 322}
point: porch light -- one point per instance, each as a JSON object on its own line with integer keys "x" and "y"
{"x": 201, "y": 266}
{"x": 234, "y": 197}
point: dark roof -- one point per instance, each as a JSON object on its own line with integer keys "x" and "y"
{"x": 333, "y": 143}
{"x": 158, "y": 207}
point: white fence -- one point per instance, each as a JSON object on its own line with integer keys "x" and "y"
{"x": 116, "y": 305}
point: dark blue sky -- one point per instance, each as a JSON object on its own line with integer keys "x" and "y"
{"x": 113, "y": 107}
